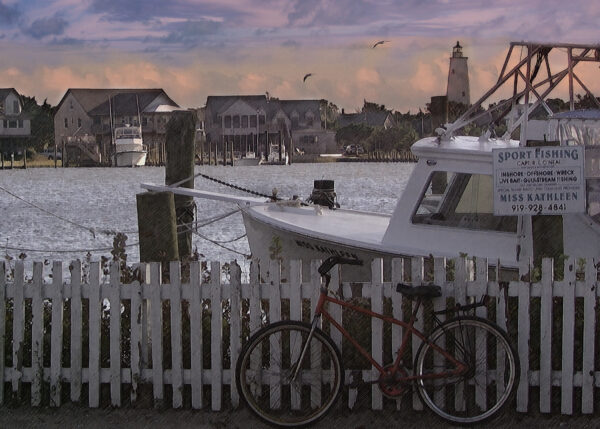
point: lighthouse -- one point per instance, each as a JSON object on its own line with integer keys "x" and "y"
{"x": 458, "y": 77}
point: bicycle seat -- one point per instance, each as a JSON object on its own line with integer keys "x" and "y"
{"x": 432, "y": 291}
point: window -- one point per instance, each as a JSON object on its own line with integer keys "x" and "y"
{"x": 78, "y": 122}
{"x": 261, "y": 119}
{"x": 20, "y": 123}
{"x": 227, "y": 122}
{"x": 66, "y": 123}
{"x": 144, "y": 121}
{"x": 244, "y": 121}
{"x": 236, "y": 121}
{"x": 252, "y": 121}
{"x": 12, "y": 123}
{"x": 461, "y": 200}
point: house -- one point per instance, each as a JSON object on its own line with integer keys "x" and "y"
{"x": 85, "y": 118}
{"x": 15, "y": 124}
{"x": 246, "y": 120}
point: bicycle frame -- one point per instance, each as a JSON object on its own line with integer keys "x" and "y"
{"x": 409, "y": 331}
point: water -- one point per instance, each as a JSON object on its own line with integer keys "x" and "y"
{"x": 80, "y": 204}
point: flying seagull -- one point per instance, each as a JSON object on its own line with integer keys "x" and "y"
{"x": 381, "y": 42}
{"x": 306, "y": 76}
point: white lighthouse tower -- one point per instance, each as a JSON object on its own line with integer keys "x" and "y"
{"x": 458, "y": 77}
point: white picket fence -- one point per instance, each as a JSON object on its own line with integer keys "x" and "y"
{"x": 579, "y": 367}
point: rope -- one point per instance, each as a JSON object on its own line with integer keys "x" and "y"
{"x": 90, "y": 230}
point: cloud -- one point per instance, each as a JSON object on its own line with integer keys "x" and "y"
{"x": 290, "y": 44}
{"x": 328, "y": 12}
{"x": 191, "y": 33}
{"x": 9, "y": 15}
{"x": 43, "y": 27}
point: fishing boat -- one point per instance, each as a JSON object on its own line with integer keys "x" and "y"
{"x": 448, "y": 205}
{"x": 130, "y": 150}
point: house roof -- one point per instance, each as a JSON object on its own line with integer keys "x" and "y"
{"x": 368, "y": 117}
{"x": 123, "y": 101}
{"x": 5, "y": 91}
{"x": 220, "y": 103}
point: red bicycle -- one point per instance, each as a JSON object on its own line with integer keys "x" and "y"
{"x": 291, "y": 373}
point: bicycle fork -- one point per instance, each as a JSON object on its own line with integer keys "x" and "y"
{"x": 313, "y": 326}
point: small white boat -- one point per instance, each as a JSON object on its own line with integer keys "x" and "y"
{"x": 273, "y": 157}
{"x": 250, "y": 159}
{"x": 130, "y": 150}
{"x": 447, "y": 207}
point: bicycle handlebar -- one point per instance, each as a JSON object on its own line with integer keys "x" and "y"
{"x": 332, "y": 261}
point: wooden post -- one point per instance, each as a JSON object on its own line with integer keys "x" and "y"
{"x": 231, "y": 150}
{"x": 180, "y": 144}
{"x": 209, "y": 151}
{"x": 215, "y": 157}
{"x": 224, "y": 150}
{"x": 201, "y": 151}
{"x": 24, "y": 150}
{"x": 279, "y": 142}
{"x": 291, "y": 154}
{"x": 267, "y": 148}
{"x": 157, "y": 226}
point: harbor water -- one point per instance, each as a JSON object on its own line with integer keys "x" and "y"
{"x": 49, "y": 214}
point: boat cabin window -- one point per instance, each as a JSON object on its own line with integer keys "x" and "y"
{"x": 461, "y": 200}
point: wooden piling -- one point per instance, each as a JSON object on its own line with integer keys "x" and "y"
{"x": 157, "y": 227}
{"x": 180, "y": 150}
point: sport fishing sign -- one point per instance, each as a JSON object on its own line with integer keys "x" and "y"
{"x": 539, "y": 180}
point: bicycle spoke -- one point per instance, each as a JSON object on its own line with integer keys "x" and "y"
{"x": 487, "y": 383}
{"x": 270, "y": 388}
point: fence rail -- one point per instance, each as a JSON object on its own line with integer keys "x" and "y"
{"x": 94, "y": 330}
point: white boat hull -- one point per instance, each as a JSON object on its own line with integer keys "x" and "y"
{"x": 131, "y": 158}
{"x": 270, "y": 242}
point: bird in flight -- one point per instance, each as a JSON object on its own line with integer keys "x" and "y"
{"x": 381, "y": 42}
{"x": 306, "y": 76}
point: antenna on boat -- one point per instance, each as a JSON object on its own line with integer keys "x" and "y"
{"x": 112, "y": 133}
{"x": 137, "y": 102}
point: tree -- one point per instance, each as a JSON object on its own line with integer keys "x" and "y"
{"x": 399, "y": 138}
{"x": 42, "y": 123}
{"x": 329, "y": 113}
{"x": 352, "y": 134}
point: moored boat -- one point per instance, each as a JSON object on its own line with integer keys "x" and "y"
{"x": 130, "y": 150}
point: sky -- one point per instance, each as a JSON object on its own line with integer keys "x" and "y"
{"x": 196, "y": 48}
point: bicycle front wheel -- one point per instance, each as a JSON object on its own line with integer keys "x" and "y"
{"x": 281, "y": 385}
{"x": 487, "y": 383}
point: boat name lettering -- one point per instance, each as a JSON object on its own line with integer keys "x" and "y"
{"x": 325, "y": 249}
{"x": 538, "y": 153}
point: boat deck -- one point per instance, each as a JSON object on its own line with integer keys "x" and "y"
{"x": 350, "y": 227}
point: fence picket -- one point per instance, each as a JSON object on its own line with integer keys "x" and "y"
{"x": 95, "y": 306}
{"x": 176, "y": 342}
{"x": 37, "y": 335}
{"x": 18, "y": 329}
{"x": 376, "y": 290}
{"x": 439, "y": 278}
{"x": 481, "y": 382}
{"x": 255, "y": 321}
{"x": 2, "y": 326}
{"x": 315, "y": 363}
{"x": 56, "y": 337}
{"x": 275, "y": 355}
{"x": 523, "y": 293}
{"x": 235, "y": 326}
{"x": 397, "y": 313}
{"x": 589, "y": 329}
{"x": 216, "y": 336}
{"x": 115, "y": 335}
{"x": 295, "y": 314}
{"x": 417, "y": 277}
{"x": 546, "y": 335}
{"x": 76, "y": 322}
{"x": 136, "y": 347}
{"x": 568, "y": 338}
{"x": 195, "y": 309}
{"x": 461, "y": 278}
{"x": 156, "y": 326}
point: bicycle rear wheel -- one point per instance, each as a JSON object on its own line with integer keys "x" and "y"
{"x": 489, "y": 381}
{"x": 264, "y": 374}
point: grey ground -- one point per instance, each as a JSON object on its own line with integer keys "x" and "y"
{"x": 74, "y": 416}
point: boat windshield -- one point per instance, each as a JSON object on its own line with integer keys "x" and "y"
{"x": 461, "y": 200}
